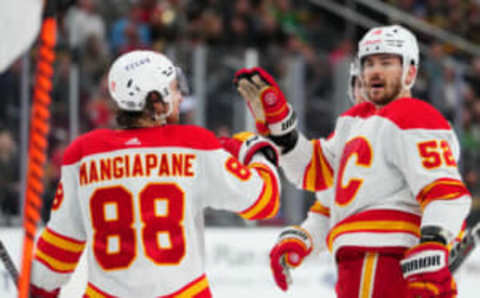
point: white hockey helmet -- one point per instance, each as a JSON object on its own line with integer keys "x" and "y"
{"x": 353, "y": 76}
{"x": 393, "y": 39}
{"x": 137, "y": 73}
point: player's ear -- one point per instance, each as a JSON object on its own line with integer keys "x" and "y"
{"x": 411, "y": 74}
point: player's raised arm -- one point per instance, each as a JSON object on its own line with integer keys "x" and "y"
{"x": 305, "y": 163}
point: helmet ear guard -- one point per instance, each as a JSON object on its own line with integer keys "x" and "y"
{"x": 395, "y": 40}
{"x": 353, "y": 76}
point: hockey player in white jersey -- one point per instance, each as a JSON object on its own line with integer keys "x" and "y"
{"x": 133, "y": 198}
{"x": 297, "y": 242}
{"x": 391, "y": 162}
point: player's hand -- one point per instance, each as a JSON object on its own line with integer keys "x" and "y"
{"x": 36, "y": 292}
{"x": 293, "y": 245}
{"x": 267, "y": 103}
{"x": 245, "y": 145}
{"x": 425, "y": 268}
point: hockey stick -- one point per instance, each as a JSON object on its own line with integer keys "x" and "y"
{"x": 8, "y": 263}
{"x": 460, "y": 252}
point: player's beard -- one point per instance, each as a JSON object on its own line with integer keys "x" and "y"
{"x": 391, "y": 92}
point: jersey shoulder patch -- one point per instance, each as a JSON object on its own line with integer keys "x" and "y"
{"x": 412, "y": 113}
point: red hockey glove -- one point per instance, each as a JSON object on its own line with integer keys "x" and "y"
{"x": 425, "y": 268}
{"x": 36, "y": 292}
{"x": 244, "y": 145}
{"x": 292, "y": 246}
{"x": 267, "y": 103}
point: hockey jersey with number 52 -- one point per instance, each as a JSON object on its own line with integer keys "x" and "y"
{"x": 134, "y": 200}
{"x": 392, "y": 170}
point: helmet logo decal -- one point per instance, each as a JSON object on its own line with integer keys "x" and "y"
{"x": 168, "y": 72}
{"x": 113, "y": 85}
{"x": 369, "y": 42}
{"x": 136, "y": 64}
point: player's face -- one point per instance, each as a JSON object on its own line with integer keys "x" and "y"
{"x": 177, "y": 100}
{"x": 382, "y": 75}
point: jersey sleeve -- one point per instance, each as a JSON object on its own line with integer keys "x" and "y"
{"x": 426, "y": 152}
{"x": 308, "y": 164}
{"x": 62, "y": 241}
{"x": 317, "y": 223}
{"x": 252, "y": 191}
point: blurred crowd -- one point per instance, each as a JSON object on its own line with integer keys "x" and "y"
{"x": 93, "y": 32}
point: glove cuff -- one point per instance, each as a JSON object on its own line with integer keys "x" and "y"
{"x": 286, "y": 125}
{"x": 297, "y": 233}
{"x": 258, "y": 144}
{"x": 434, "y": 234}
{"x": 427, "y": 257}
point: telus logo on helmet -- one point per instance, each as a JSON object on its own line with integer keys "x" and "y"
{"x": 136, "y": 64}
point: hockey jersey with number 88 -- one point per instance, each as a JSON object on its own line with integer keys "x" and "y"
{"x": 134, "y": 200}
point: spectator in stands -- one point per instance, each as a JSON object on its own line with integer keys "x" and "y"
{"x": 9, "y": 184}
{"x": 167, "y": 21}
{"x": 10, "y": 96}
{"x": 99, "y": 110}
{"x": 343, "y": 50}
{"x": 213, "y": 33}
{"x": 130, "y": 30}
{"x": 61, "y": 90}
{"x": 82, "y": 21}
{"x": 94, "y": 60}
{"x": 473, "y": 75}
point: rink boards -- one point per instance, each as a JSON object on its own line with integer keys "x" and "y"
{"x": 238, "y": 266}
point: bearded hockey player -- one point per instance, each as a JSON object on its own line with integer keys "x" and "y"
{"x": 391, "y": 164}
{"x": 132, "y": 199}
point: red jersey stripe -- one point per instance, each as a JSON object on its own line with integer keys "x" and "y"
{"x": 377, "y": 221}
{"x": 442, "y": 189}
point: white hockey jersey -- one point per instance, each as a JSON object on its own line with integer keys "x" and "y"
{"x": 134, "y": 200}
{"x": 392, "y": 170}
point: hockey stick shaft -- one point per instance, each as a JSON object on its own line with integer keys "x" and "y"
{"x": 8, "y": 263}
{"x": 463, "y": 249}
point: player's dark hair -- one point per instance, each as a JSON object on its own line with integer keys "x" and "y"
{"x": 130, "y": 119}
